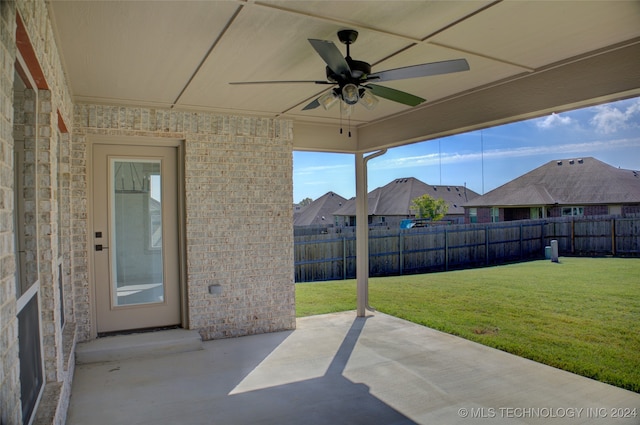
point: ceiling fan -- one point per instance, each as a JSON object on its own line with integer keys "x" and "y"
{"x": 353, "y": 78}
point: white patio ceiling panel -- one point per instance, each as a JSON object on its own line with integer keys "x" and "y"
{"x": 285, "y": 55}
{"x": 184, "y": 54}
{"x": 135, "y": 52}
{"x": 537, "y": 33}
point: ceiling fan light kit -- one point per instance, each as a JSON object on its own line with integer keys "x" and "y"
{"x": 329, "y": 99}
{"x": 350, "y": 94}
{"x": 367, "y": 99}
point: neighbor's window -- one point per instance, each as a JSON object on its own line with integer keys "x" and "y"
{"x": 572, "y": 211}
{"x": 535, "y": 213}
{"x": 495, "y": 215}
{"x": 473, "y": 215}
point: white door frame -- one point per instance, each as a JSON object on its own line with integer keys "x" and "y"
{"x": 149, "y": 142}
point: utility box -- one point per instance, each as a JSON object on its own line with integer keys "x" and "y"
{"x": 554, "y": 251}
{"x": 547, "y": 252}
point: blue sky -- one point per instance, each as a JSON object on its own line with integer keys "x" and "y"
{"x": 484, "y": 160}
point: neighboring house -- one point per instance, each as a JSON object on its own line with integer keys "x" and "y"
{"x": 390, "y": 204}
{"x": 320, "y": 211}
{"x": 567, "y": 187}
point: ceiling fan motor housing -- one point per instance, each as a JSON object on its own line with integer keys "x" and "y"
{"x": 359, "y": 70}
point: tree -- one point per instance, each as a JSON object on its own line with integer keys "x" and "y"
{"x": 428, "y": 207}
{"x": 305, "y": 202}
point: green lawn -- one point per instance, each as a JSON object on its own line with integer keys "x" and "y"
{"x": 581, "y": 315}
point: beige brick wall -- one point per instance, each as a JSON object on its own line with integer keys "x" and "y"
{"x": 45, "y": 153}
{"x": 9, "y": 368}
{"x": 239, "y": 234}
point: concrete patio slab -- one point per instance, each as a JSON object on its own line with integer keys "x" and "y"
{"x": 339, "y": 369}
{"x": 123, "y": 347}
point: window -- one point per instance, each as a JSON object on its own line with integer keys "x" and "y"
{"x": 25, "y": 132}
{"x": 31, "y": 375}
{"x": 535, "y": 213}
{"x": 495, "y": 215}
{"x": 572, "y": 211}
{"x": 615, "y": 209}
{"x": 155, "y": 216}
{"x": 473, "y": 215}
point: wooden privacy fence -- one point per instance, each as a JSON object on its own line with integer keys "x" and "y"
{"x": 441, "y": 248}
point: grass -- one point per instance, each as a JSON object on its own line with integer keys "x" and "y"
{"x": 581, "y": 315}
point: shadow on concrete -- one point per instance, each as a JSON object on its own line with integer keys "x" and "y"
{"x": 330, "y": 399}
{"x": 200, "y": 388}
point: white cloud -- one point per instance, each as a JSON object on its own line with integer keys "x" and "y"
{"x": 314, "y": 169}
{"x": 553, "y": 120}
{"x": 609, "y": 119}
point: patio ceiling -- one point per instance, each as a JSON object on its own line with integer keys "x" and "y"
{"x": 527, "y": 58}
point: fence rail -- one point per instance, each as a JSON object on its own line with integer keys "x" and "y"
{"x": 440, "y": 248}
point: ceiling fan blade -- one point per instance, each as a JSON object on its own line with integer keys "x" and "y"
{"x": 332, "y": 56}
{"x": 237, "y": 83}
{"x": 395, "y": 95}
{"x": 423, "y": 70}
{"x": 312, "y": 105}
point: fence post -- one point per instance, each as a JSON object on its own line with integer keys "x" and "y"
{"x": 446, "y": 251}
{"x": 542, "y": 227}
{"x": 613, "y": 236}
{"x": 344, "y": 257}
{"x": 400, "y": 256}
{"x": 573, "y": 235}
{"x": 521, "y": 236}
{"x": 486, "y": 245}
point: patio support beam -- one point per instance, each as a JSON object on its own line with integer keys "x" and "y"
{"x": 362, "y": 231}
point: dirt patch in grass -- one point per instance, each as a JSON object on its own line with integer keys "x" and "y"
{"x": 491, "y": 330}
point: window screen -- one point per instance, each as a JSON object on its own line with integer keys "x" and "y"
{"x": 31, "y": 379}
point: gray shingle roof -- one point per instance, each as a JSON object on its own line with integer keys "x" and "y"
{"x": 319, "y": 211}
{"x": 582, "y": 181}
{"x": 395, "y": 198}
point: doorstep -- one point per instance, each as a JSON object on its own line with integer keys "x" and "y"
{"x": 137, "y": 345}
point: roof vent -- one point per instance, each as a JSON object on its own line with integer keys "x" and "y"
{"x": 448, "y": 189}
{"x": 435, "y": 188}
{"x": 559, "y": 162}
{"x": 580, "y": 160}
{"x": 571, "y": 161}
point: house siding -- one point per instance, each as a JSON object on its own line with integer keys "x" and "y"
{"x": 511, "y": 214}
{"x": 630, "y": 210}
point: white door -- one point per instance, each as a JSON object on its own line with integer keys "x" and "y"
{"x": 135, "y": 235}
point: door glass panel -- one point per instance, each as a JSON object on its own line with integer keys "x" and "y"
{"x": 136, "y": 248}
